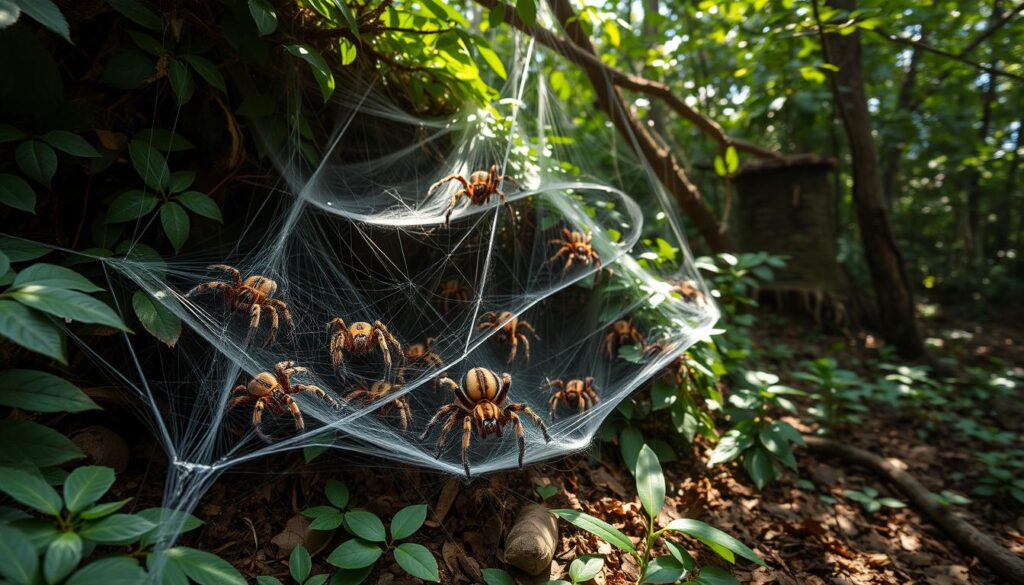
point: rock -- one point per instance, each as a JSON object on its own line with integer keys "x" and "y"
{"x": 103, "y": 447}
{"x": 532, "y": 542}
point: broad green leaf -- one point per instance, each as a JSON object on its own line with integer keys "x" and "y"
{"x": 5, "y": 265}
{"x": 30, "y": 490}
{"x": 650, "y": 481}
{"x": 42, "y": 392}
{"x": 18, "y": 562}
{"x": 496, "y": 17}
{"x": 585, "y": 568}
{"x": 180, "y": 180}
{"x": 46, "y": 13}
{"x": 407, "y": 521}
{"x": 417, "y": 561}
{"x": 129, "y": 69}
{"x": 200, "y": 204}
{"x": 205, "y": 568}
{"x": 351, "y": 576}
{"x": 263, "y": 14}
{"x": 631, "y": 440}
{"x": 30, "y": 330}
{"x": 54, "y": 276}
{"x": 207, "y": 70}
{"x": 711, "y": 535}
{"x": 321, "y": 70}
{"x": 62, "y": 556}
{"x": 17, "y": 193}
{"x": 37, "y": 160}
{"x": 719, "y": 164}
{"x": 18, "y": 250}
{"x": 9, "y": 133}
{"x": 347, "y": 50}
{"x": 337, "y": 493}
{"x": 732, "y": 159}
{"x": 758, "y": 464}
{"x": 109, "y": 571}
{"x": 139, "y": 12}
{"x": 774, "y": 439}
{"x": 130, "y": 205}
{"x": 116, "y": 529}
{"x": 70, "y": 143}
{"x": 40, "y": 533}
{"x": 104, "y": 509}
{"x": 67, "y": 304}
{"x": 346, "y": 13}
{"x": 664, "y": 570}
{"x": 149, "y": 164}
{"x": 268, "y": 580}
{"x": 85, "y": 485}
{"x": 182, "y": 84}
{"x": 355, "y": 554}
{"x": 176, "y": 224}
{"x": 527, "y": 11}
{"x": 299, "y": 563}
{"x": 167, "y": 521}
{"x": 715, "y": 576}
{"x": 597, "y": 527}
{"x": 156, "y": 319}
{"x": 328, "y": 521}
{"x": 163, "y": 140}
{"x": 28, "y": 441}
{"x": 680, "y": 554}
{"x": 497, "y": 577}
{"x": 490, "y": 56}
{"x": 365, "y": 525}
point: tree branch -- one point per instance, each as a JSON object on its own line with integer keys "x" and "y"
{"x": 943, "y": 53}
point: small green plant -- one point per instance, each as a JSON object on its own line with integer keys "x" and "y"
{"x": 947, "y": 498}
{"x": 678, "y": 564}
{"x": 581, "y": 570}
{"x": 1004, "y": 475}
{"x": 357, "y": 556}
{"x": 869, "y": 500}
{"x": 834, "y": 392}
{"x": 300, "y": 565}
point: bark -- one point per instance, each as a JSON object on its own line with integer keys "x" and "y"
{"x": 1004, "y": 221}
{"x": 893, "y": 294}
{"x": 975, "y": 236}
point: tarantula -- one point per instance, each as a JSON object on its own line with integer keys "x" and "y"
{"x": 452, "y": 290}
{"x": 513, "y": 331}
{"x": 480, "y": 187}
{"x": 480, "y": 403}
{"x": 360, "y": 339}
{"x": 274, "y": 391}
{"x": 420, "y": 354}
{"x": 576, "y": 394}
{"x": 621, "y": 333}
{"x": 575, "y": 247}
{"x": 690, "y": 293}
{"x": 252, "y": 295}
{"x": 379, "y": 390}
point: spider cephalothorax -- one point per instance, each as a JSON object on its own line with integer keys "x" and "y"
{"x": 690, "y": 292}
{"x": 511, "y": 330}
{"x": 575, "y": 247}
{"x": 381, "y": 389}
{"x": 480, "y": 403}
{"x": 450, "y": 290}
{"x": 621, "y": 333}
{"x": 578, "y": 395}
{"x": 479, "y": 189}
{"x": 423, "y": 354}
{"x": 274, "y": 391}
{"x": 361, "y": 339}
{"x": 252, "y": 295}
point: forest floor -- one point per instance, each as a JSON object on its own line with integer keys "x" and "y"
{"x": 808, "y": 533}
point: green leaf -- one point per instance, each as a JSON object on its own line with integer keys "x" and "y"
{"x": 585, "y": 568}
{"x": 365, "y": 525}
{"x": 17, "y": 193}
{"x": 138, "y": 12}
{"x": 29, "y": 490}
{"x": 9, "y": 133}
{"x": 85, "y": 485}
{"x": 200, "y": 204}
{"x": 156, "y": 319}
{"x": 263, "y": 14}
{"x": 324, "y": 517}
{"x": 337, "y": 493}
{"x": 664, "y": 570}
{"x": 719, "y": 164}
{"x": 346, "y": 13}
{"x": 490, "y": 56}
{"x": 18, "y": 250}
{"x": 497, "y": 577}
{"x": 203, "y": 567}
{"x": 109, "y": 571}
{"x": 167, "y": 521}
{"x": 182, "y": 84}
{"x": 62, "y": 556}
{"x": 37, "y": 160}
{"x": 163, "y": 140}
{"x": 46, "y": 13}
{"x": 54, "y": 276}
{"x": 30, "y": 330}
{"x": 347, "y": 50}
{"x": 176, "y": 224}
{"x": 496, "y": 17}
{"x": 355, "y": 554}
{"x": 180, "y": 180}
{"x": 42, "y": 392}
{"x": 18, "y": 562}
{"x": 774, "y": 440}
{"x": 715, "y": 576}
{"x": 149, "y": 164}
{"x": 527, "y": 11}
{"x": 104, "y": 509}
{"x": 710, "y": 535}
{"x": 732, "y": 159}
{"x": 28, "y": 441}
{"x": 759, "y": 466}
{"x": 680, "y": 554}
{"x": 70, "y": 143}
{"x": 417, "y": 561}
{"x": 129, "y": 69}
{"x": 321, "y": 70}
{"x": 67, "y": 304}
{"x": 631, "y": 440}
{"x": 130, "y": 205}
{"x": 732, "y": 445}
{"x": 650, "y": 481}
{"x": 597, "y": 527}
{"x": 407, "y": 521}
{"x": 351, "y": 576}
{"x": 5, "y": 265}
{"x": 207, "y": 70}
{"x": 117, "y": 529}
{"x": 268, "y": 580}
{"x": 299, "y": 563}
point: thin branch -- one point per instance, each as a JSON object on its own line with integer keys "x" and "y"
{"x": 995, "y": 26}
{"x": 943, "y": 53}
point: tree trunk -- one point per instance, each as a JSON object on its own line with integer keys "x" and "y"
{"x": 892, "y": 150}
{"x": 1004, "y": 221}
{"x": 974, "y": 248}
{"x": 892, "y": 289}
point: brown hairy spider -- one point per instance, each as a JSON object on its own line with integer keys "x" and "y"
{"x": 480, "y": 403}
{"x": 576, "y": 394}
{"x": 361, "y": 339}
{"x": 452, "y": 290}
{"x": 422, "y": 356}
{"x": 576, "y": 247}
{"x": 690, "y": 293}
{"x": 480, "y": 187}
{"x": 252, "y": 295}
{"x": 274, "y": 391}
{"x": 379, "y": 390}
{"x": 621, "y": 333}
{"x": 513, "y": 331}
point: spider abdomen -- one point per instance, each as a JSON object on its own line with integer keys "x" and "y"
{"x": 482, "y": 384}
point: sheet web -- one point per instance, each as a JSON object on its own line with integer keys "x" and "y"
{"x": 360, "y": 236}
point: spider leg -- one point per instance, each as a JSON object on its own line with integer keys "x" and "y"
{"x": 462, "y": 180}
{"x": 609, "y": 342}
{"x": 514, "y": 340}
{"x": 274, "y": 322}
{"x": 561, "y": 252}
{"x": 239, "y": 400}
{"x": 254, "y": 320}
{"x": 520, "y": 437}
{"x": 526, "y": 325}
{"x": 239, "y": 388}
{"x": 441, "y": 412}
{"x": 257, "y": 418}
{"x": 520, "y": 407}
{"x": 303, "y": 388}
{"x": 510, "y": 180}
{"x": 508, "y": 208}
{"x": 506, "y": 385}
{"x": 236, "y": 276}
{"x": 207, "y": 286}
{"x": 283, "y": 308}
{"x": 296, "y": 413}
{"x": 568, "y": 264}
{"x": 443, "y": 437}
{"x": 467, "y": 432}
{"x": 526, "y": 347}
{"x": 338, "y": 341}
{"x": 356, "y": 394}
{"x": 553, "y": 403}
{"x": 451, "y": 205}
{"x": 404, "y": 412}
